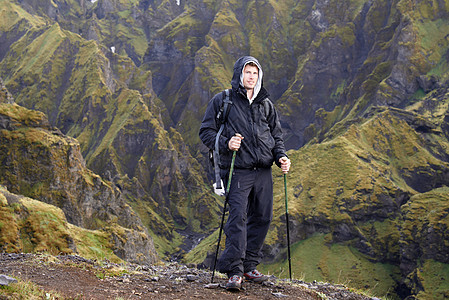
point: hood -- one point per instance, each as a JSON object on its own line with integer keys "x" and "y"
{"x": 237, "y": 77}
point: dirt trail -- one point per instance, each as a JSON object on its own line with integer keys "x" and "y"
{"x": 77, "y": 278}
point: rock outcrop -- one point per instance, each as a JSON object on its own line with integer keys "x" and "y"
{"x": 5, "y": 96}
{"x": 39, "y": 162}
{"x": 104, "y": 100}
{"x": 360, "y": 85}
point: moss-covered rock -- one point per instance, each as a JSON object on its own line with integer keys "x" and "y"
{"x": 363, "y": 190}
{"x": 424, "y": 243}
{"x": 5, "y": 96}
{"x": 38, "y": 161}
{"x": 28, "y": 225}
{"x": 360, "y": 83}
{"x": 105, "y": 101}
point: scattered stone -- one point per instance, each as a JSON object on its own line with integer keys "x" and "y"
{"x": 268, "y": 283}
{"x": 279, "y": 295}
{"x": 179, "y": 282}
{"x": 6, "y": 280}
{"x": 212, "y": 286}
{"x": 191, "y": 277}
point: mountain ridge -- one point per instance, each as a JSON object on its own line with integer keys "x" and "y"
{"x": 41, "y": 162}
{"x": 360, "y": 86}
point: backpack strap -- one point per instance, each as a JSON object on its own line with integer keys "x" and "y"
{"x": 222, "y": 117}
{"x": 266, "y": 107}
{"x": 223, "y": 113}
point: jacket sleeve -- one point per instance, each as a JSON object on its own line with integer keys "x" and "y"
{"x": 276, "y": 132}
{"x": 209, "y": 127}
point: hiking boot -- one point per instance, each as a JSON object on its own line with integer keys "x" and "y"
{"x": 255, "y": 276}
{"x": 234, "y": 283}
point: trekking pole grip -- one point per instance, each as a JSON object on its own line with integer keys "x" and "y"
{"x": 231, "y": 170}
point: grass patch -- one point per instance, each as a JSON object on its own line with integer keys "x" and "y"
{"x": 206, "y": 246}
{"x": 11, "y": 14}
{"x": 28, "y": 225}
{"x": 433, "y": 276}
{"x": 433, "y": 38}
{"x": 313, "y": 260}
{"x": 93, "y": 244}
{"x": 27, "y": 290}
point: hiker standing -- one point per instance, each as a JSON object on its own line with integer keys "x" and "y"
{"x": 253, "y": 129}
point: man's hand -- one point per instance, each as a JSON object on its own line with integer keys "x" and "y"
{"x": 234, "y": 142}
{"x": 285, "y": 164}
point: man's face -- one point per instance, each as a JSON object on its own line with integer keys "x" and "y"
{"x": 250, "y": 75}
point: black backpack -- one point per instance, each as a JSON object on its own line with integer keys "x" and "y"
{"x": 221, "y": 118}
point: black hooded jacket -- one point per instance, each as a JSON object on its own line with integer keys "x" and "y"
{"x": 262, "y": 144}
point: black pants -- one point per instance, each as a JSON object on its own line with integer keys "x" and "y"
{"x": 250, "y": 202}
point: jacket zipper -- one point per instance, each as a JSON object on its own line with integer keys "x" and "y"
{"x": 256, "y": 140}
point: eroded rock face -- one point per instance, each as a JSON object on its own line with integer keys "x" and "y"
{"x": 424, "y": 237}
{"x": 381, "y": 188}
{"x": 107, "y": 102}
{"x": 5, "y": 96}
{"x": 327, "y": 62}
{"x": 38, "y": 161}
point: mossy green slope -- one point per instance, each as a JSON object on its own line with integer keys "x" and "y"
{"x": 40, "y": 162}
{"x": 359, "y": 194}
{"x": 328, "y": 66}
{"x": 405, "y": 60}
{"x": 424, "y": 244}
{"x": 28, "y": 225}
{"x": 106, "y": 102}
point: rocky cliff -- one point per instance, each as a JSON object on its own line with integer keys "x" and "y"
{"x": 40, "y": 162}
{"x": 360, "y": 85}
{"x": 363, "y": 208}
{"x": 107, "y": 103}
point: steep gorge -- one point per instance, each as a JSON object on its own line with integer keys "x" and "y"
{"x": 107, "y": 103}
{"x": 42, "y": 163}
{"x": 360, "y": 85}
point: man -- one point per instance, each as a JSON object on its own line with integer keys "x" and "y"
{"x": 253, "y": 129}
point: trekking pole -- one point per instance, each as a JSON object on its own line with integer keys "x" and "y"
{"x": 228, "y": 186}
{"x": 288, "y": 229}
